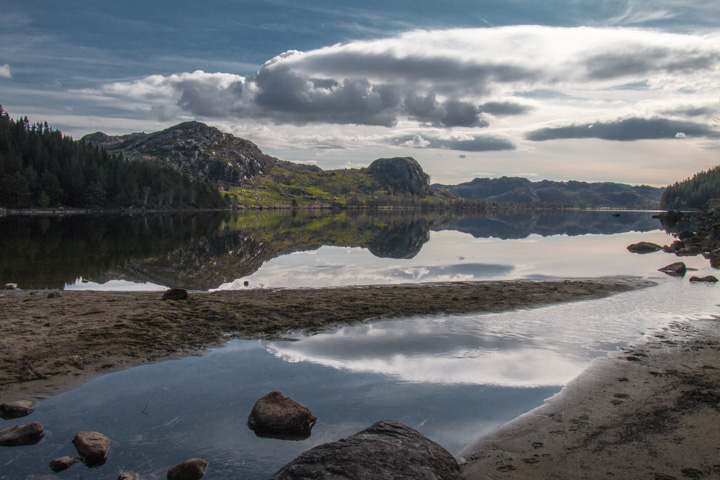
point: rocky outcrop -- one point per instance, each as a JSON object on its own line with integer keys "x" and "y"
{"x": 387, "y": 449}
{"x": 644, "y": 247}
{"x": 17, "y": 435}
{"x": 401, "y": 174}
{"x": 17, "y": 409}
{"x": 192, "y": 469}
{"x": 92, "y": 447}
{"x": 277, "y": 413}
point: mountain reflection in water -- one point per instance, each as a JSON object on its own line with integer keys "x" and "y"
{"x": 204, "y": 251}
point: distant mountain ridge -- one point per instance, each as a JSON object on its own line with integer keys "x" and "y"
{"x": 572, "y": 193}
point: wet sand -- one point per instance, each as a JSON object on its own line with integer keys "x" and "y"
{"x": 52, "y": 344}
{"x": 651, "y": 411}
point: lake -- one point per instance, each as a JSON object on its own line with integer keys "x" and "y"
{"x": 453, "y": 378}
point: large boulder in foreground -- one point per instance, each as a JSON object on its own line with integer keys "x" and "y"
{"x": 277, "y": 413}
{"x": 17, "y": 435}
{"x": 387, "y": 449}
{"x": 92, "y": 447}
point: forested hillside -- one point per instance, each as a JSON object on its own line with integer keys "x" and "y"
{"x": 39, "y": 167}
{"x": 693, "y": 192}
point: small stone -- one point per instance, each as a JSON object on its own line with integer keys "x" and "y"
{"x": 677, "y": 269}
{"x": 644, "y": 247}
{"x": 11, "y": 286}
{"x": 706, "y": 279}
{"x": 175, "y": 294}
{"x": 17, "y": 409}
{"x": 192, "y": 469}
{"x": 92, "y": 447}
{"x": 128, "y": 476}
{"x": 54, "y": 294}
{"x": 17, "y": 435}
{"x": 63, "y": 463}
{"x": 277, "y": 413}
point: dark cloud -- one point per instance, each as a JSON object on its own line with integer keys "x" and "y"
{"x": 207, "y": 99}
{"x": 478, "y": 143}
{"x": 626, "y": 130}
{"x": 500, "y": 109}
{"x": 692, "y": 111}
{"x": 640, "y": 61}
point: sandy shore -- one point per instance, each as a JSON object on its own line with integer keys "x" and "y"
{"x": 651, "y": 411}
{"x": 52, "y": 344}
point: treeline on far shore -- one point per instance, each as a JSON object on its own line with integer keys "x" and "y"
{"x": 41, "y": 168}
{"x": 694, "y": 192}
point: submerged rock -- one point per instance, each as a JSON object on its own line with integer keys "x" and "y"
{"x": 644, "y": 247}
{"x": 277, "y": 413}
{"x": 17, "y": 409}
{"x": 63, "y": 463}
{"x": 677, "y": 269}
{"x": 192, "y": 469}
{"x": 387, "y": 449}
{"x": 175, "y": 294}
{"x": 17, "y": 435}
{"x": 128, "y": 476}
{"x": 92, "y": 447}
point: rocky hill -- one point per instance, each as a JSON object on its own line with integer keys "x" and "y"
{"x": 572, "y": 193}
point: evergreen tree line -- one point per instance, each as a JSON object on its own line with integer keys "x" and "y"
{"x": 693, "y": 192}
{"x": 39, "y": 167}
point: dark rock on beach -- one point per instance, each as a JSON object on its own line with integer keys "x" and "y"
{"x": 92, "y": 447}
{"x": 644, "y": 247}
{"x": 17, "y": 409}
{"x": 175, "y": 294}
{"x": 63, "y": 463}
{"x": 17, "y": 435}
{"x": 677, "y": 269}
{"x": 706, "y": 279}
{"x": 277, "y": 413}
{"x": 386, "y": 449}
{"x": 192, "y": 469}
{"x": 54, "y": 294}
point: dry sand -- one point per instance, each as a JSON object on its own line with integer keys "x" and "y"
{"x": 51, "y": 344}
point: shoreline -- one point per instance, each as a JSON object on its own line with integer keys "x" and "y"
{"x": 648, "y": 411}
{"x": 53, "y": 344}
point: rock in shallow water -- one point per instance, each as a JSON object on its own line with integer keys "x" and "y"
{"x": 677, "y": 269}
{"x": 277, "y": 413}
{"x": 192, "y": 469}
{"x": 644, "y": 247}
{"x": 128, "y": 476}
{"x": 92, "y": 447}
{"x": 175, "y": 294}
{"x": 17, "y": 435}
{"x": 17, "y": 409}
{"x": 387, "y": 449}
{"x": 706, "y": 279}
{"x": 63, "y": 463}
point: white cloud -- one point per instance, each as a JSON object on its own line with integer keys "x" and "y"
{"x": 5, "y": 71}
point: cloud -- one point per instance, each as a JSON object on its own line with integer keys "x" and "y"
{"x": 628, "y": 129}
{"x": 5, "y": 71}
{"x": 500, "y": 109}
{"x": 693, "y": 111}
{"x": 462, "y": 143}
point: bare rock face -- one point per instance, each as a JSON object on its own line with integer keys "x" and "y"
{"x": 17, "y": 409}
{"x": 677, "y": 269}
{"x": 401, "y": 174}
{"x": 92, "y": 447}
{"x": 192, "y": 469}
{"x": 277, "y": 413}
{"x": 387, "y": 449}
{"x": 644, "y": 247}
{"x": 17, "y": 435}
{"x": 63, "y": 463}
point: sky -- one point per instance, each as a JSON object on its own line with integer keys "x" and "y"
{"x": 617, "y": 90}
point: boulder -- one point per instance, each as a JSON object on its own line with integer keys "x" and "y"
{"x": 175, "y": 294}
{"x": 192, "y": 469}
{"x": 54, "y": 294}
{"x": 644, "y": 247}
{"x": 63, "y": 463}
{"x": 11, "y": 286}
{"x": 677, "y": 269}
{"x": 17, "y": 435}
{"x": 277, "y": 413}
{"x": 128, "y": 476}
{"x": 17, "y": 409}
{"x": 92, "y": 447}
{"x": 706, "y": 279}
{"x": 387, "y": 449}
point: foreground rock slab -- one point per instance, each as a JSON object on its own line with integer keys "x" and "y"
{"x": 386, "y": 449}
{"x": 17, "y": 409}
{"x": 92, "y": 447}
{"x": 278, "y": 413}
{"x": 192, "y": 469}
{"x": 17, "y": 435}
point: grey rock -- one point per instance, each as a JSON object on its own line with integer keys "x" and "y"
{"x": 706, "y": 279}
{"x": 644, "y": 247}
{"x": 277, "y": 413}
{"x": 63, "y": 463}
{"x": 92, "y": 447}
{"x": 175, "y": 294}
{"x": 192, "y": 469}
{"x": 17, "y": 435}
{"x": 17, "y": 409}
{"x": 677, "y": 269}
{"x": 387, "y": 449}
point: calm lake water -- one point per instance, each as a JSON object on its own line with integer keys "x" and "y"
{"x": 453, "y": 378}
